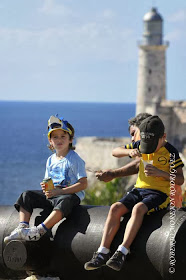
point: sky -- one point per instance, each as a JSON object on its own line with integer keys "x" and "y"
{"x": 84, "y": 50}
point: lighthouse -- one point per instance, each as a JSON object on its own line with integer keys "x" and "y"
{"x": 151, "y": 84}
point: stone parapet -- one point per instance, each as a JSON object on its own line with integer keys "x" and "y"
{"x": 97, "y": 154}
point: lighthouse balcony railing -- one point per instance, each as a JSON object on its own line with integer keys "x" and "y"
{"x": 149, "y": 43}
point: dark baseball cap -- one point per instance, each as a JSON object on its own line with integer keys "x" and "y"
{"x": 151, "y": 130}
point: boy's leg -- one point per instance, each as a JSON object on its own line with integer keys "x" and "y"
{"x": 117, "y": 210}
{"x": 112, "y": 224}
{"x": 36, "y": 232}
{"x": 24, "y": 205}
{"x": 134, "y": 224}
{"x": 54, "y": 217}
{"x": 132, "y": 228}
{"x": 24, "y": 218}
{"x": 24, "y": 215}
{"x": 150, "y": 199}
{"x": 63, "y": 206}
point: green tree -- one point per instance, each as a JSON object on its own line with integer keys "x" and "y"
{"x": 106, "y": 193}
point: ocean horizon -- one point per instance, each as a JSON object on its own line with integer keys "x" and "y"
{"x": 24, "y": 140}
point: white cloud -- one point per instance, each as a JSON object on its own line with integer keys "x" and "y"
{"x": 179, "y": 16}
{"x": 108, "y": 14}
{"x": 175, "y": 35}
{"x": 17, "y": 37}
{"x": 51, "y": 8}
{"x": 178, "y": 32}
{"x": 74, "y": 42}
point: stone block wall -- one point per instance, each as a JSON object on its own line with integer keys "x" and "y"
{"x": 97, "y": 154}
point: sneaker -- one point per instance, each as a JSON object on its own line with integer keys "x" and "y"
{"x": 30, "y": 234}
{"x": 23, "y": 233}
{"x": 116, "y": 261}
{"x": 14, "y": 235}
{"x": 98, "y": 260}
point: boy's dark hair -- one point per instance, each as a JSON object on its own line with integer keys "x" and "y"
{"x": 71, "y": 136}
{"x": 138, "y": 119}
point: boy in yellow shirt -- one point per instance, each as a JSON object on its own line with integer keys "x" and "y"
{"x": 151, "y": 192}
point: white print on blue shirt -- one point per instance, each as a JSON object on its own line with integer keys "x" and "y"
{"x": 67, "y": 171}
{"x": 59, "y": 172}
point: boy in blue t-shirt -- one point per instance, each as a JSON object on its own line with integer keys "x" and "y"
{"x": 67, "y": 171}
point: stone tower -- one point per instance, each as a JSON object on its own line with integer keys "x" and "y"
{"x": 151, "y": 86}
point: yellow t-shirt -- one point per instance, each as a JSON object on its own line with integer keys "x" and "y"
{"x": 166, "y": 159}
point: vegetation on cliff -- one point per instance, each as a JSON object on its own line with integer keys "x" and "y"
{"x": 106, "y": 193}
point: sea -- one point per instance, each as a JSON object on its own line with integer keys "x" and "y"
{"x": 23, "y": 137}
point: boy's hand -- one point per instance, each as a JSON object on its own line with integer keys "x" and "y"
{"x": 54, "y": 192}
{"x": 153, "y": 171}
{"x": 50, "y": 193}
{"x": 104, "y": 175}
{"x": 134, "y": 153}
{"x": 43, "y": 186}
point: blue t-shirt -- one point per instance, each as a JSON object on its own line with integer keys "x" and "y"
{"x": 67, "y": 171}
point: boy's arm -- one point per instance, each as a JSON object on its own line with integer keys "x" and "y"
{"x": 129, "y": 169}
{"x": 151, "y": 170}
{"x": 78, "y": 169}
{"x": 77, "y": 187}
{"x": 122, "y": 152}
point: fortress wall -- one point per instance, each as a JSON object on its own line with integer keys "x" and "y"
{"x": 166, "y": 113}
{"x": 97, "y": 154}
{"x": 175, "y": 124}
